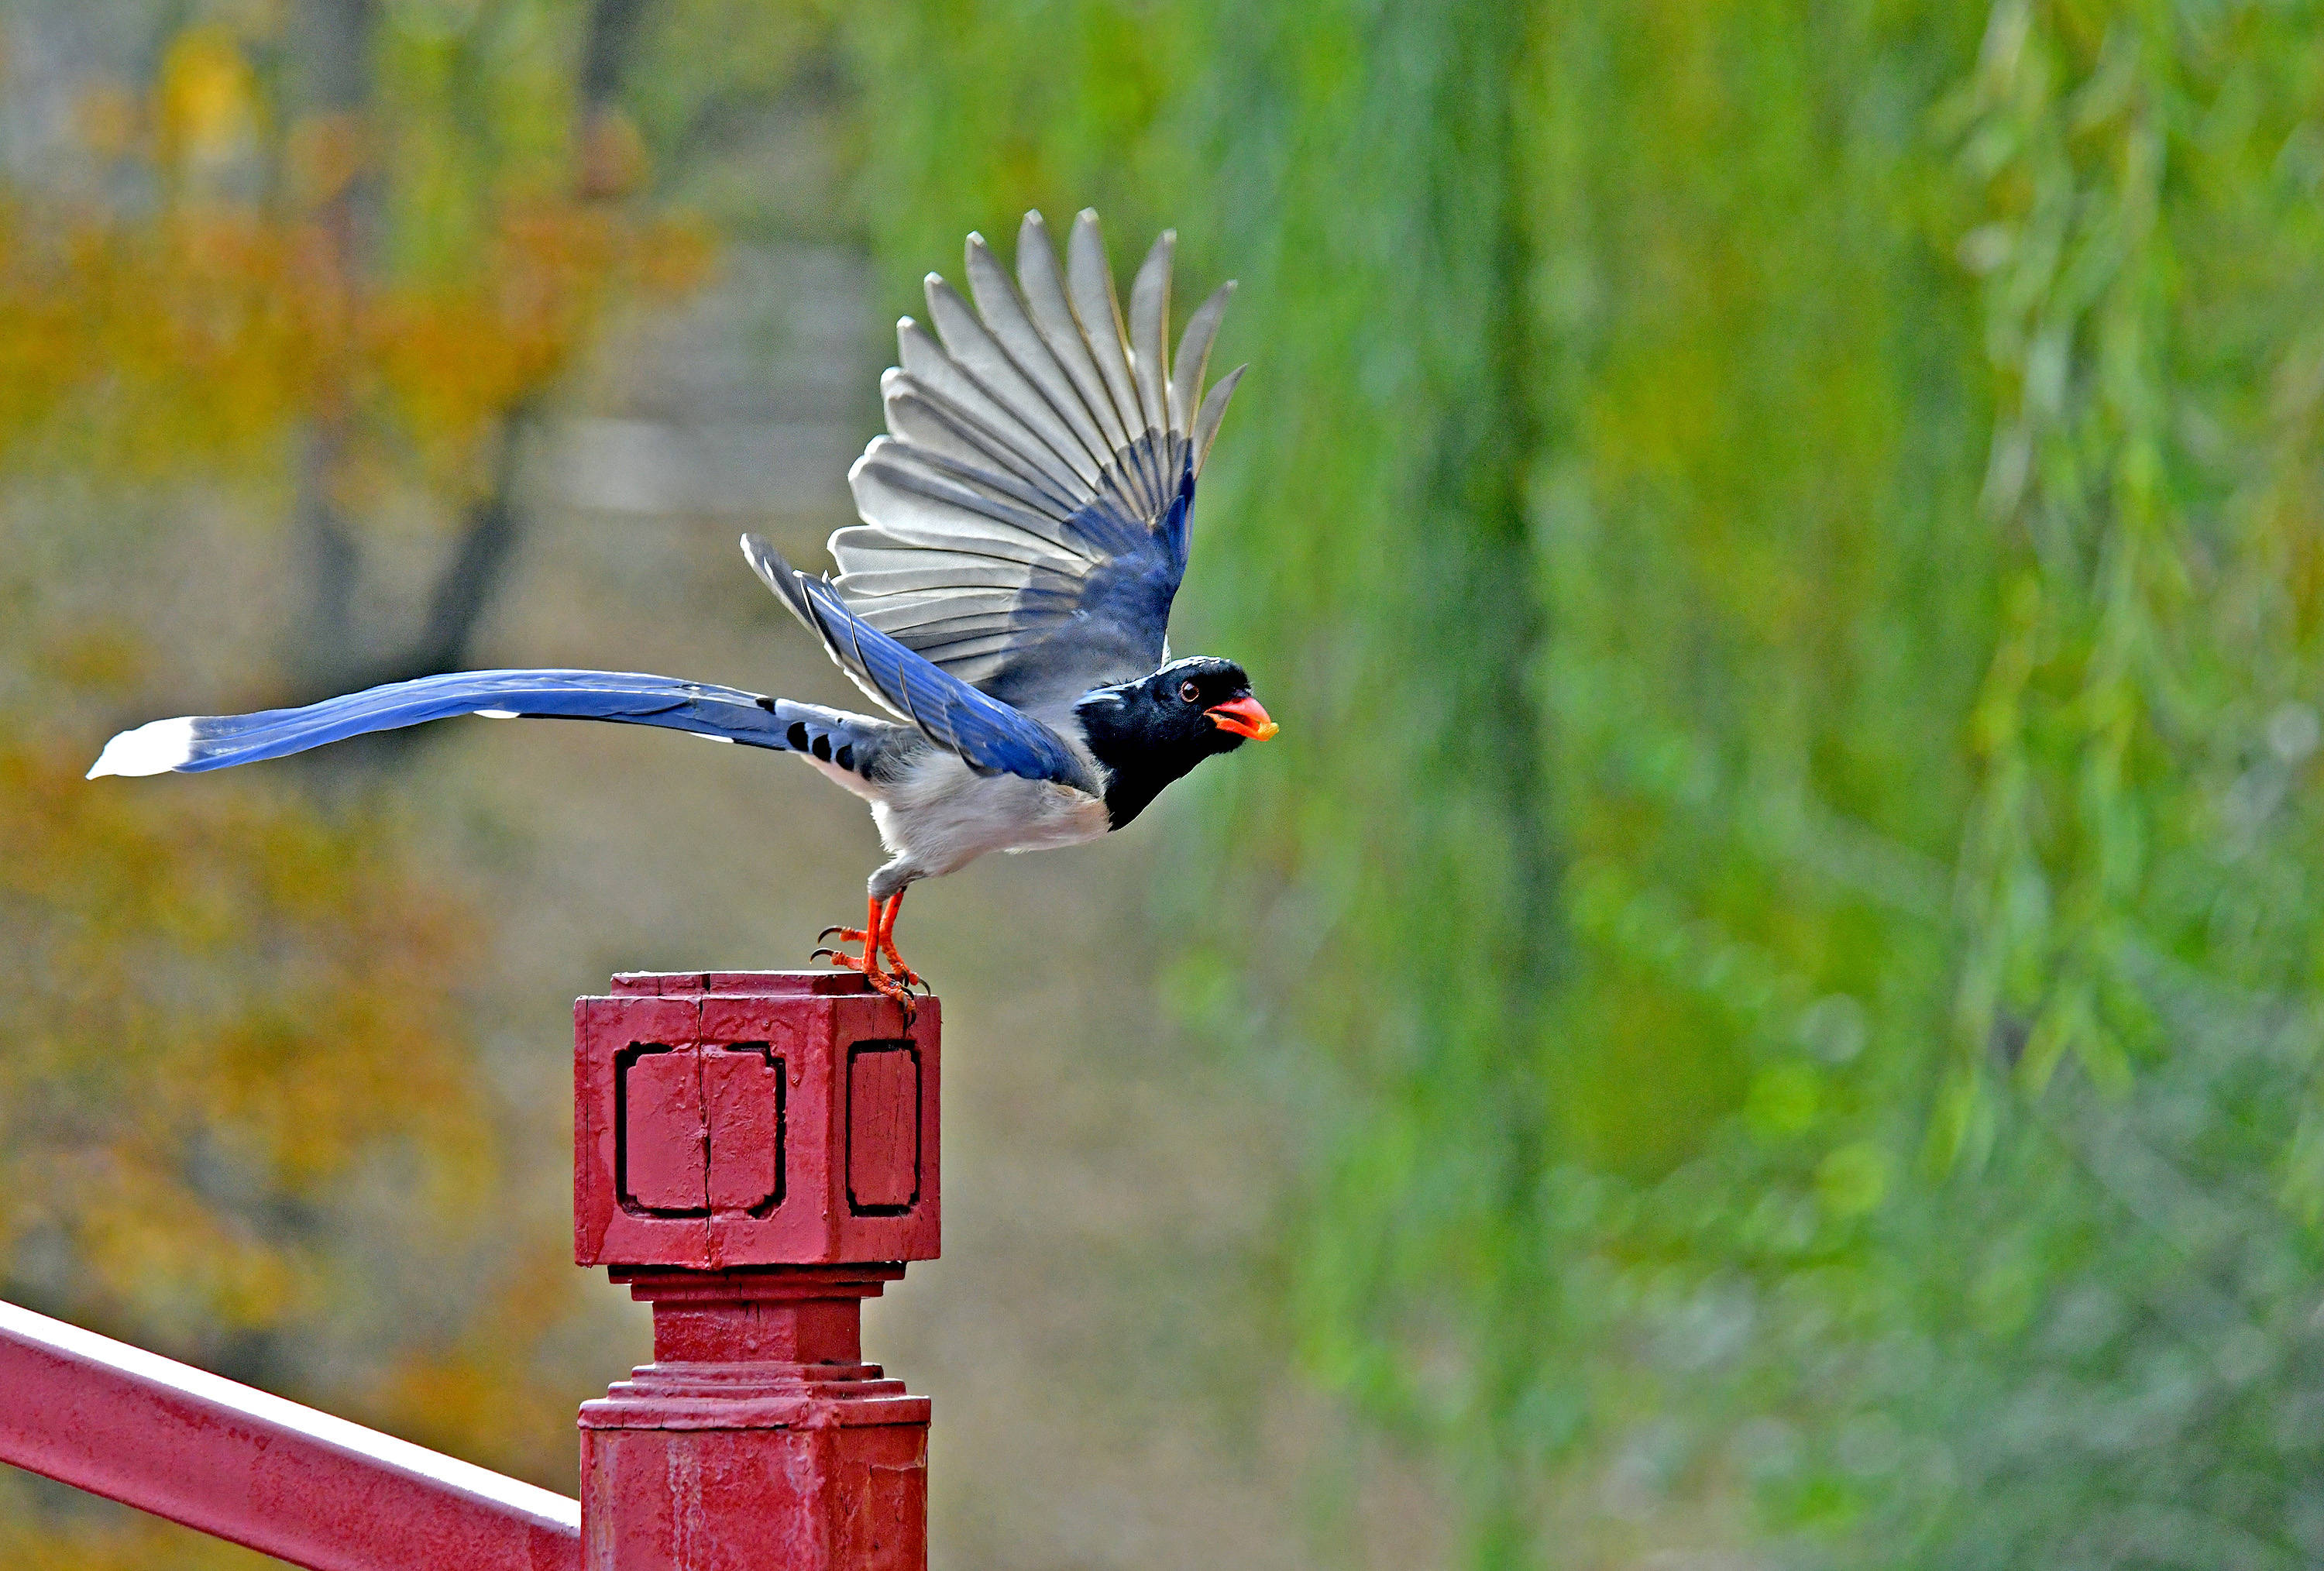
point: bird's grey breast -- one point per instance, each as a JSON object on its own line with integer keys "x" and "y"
{"x": 942, "y": 815}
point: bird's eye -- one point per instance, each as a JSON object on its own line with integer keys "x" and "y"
{"x": 1189, "y": 691}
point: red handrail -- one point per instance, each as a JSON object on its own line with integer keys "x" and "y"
{"x": 235, "y": 1462}
{"x": 755, "y": 1153}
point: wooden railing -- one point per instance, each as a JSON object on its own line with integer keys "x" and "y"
{"x": 302, "y": 1485}
{"x": 754, "y": 1154}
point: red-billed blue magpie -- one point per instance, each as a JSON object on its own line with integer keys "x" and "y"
{"x": 1005, "y": 598}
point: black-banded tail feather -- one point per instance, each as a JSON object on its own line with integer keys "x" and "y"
{"x": 189, "y": 743}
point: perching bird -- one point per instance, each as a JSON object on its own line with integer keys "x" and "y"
{"x": 1007, "y": 596}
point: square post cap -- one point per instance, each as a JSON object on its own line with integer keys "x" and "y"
{"x": 753, "y": 1118}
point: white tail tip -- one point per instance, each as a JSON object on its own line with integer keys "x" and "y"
{"x": 152, "y": 749}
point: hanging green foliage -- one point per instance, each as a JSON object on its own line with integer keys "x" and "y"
{"x": 1785, "y": 541}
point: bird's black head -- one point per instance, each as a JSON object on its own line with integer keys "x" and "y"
{"x": 1150, "y": 732}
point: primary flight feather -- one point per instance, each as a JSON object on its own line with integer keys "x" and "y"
{"x": 1005, "y": 600}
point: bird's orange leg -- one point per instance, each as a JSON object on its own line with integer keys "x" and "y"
{"x": 897, "y": 969}
{"x": 868, "y": 963}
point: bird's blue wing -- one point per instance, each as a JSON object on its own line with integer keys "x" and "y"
{"x": 990, "y": 736}
{"x": 1025, "y": 519}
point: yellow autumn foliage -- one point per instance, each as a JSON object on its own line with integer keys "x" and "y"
{"x": 235, "y": 1034}
{"x": 212, "y": 994}
{"x": 201, "y": 337}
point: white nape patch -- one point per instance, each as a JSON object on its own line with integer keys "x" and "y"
{"x": 494, "y": 713}
{"x": 154, "y": 748}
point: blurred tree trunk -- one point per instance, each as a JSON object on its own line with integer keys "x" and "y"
{"x": 333, "y": 74}
{"x": 336, "y": 40}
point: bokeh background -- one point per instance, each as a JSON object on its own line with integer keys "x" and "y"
{"x": 1764, "y": 1011}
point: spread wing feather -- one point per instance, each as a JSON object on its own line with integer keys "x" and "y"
{"x": 1149, "y": 315}
{"x": 1052, "y": 310}
{"x": 951, "y": 386}
{"x": 1213, "y": 411}
{"x": 987, "y": 735}
{"x": 1025, "y": 519}
{"x": 1186, "y": 367}
{"x": 1011, "y": 324}
{"x": 1089, "y": 284}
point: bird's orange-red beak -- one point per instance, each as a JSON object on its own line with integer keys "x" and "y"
{"x": 1244, "y": 717}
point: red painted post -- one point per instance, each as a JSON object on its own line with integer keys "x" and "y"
{"x": 755, "y": 1153}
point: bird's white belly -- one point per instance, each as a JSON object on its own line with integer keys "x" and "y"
{"x": 944, "y": 816}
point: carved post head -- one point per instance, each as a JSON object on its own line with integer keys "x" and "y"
{"x": 759, "y": 1118}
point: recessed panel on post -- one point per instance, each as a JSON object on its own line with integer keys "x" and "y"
{"x": 660, "y": 1154}
{"x": 742, "y": 1097}
{"x": 883, "y": 1128}
{"x": 753, "y": 1118}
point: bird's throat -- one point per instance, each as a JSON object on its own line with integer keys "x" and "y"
{"x": 1130, "y": 788}
{"x": 1137, "y": 764}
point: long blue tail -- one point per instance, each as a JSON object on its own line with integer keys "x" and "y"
{"x": 194, "y": 742}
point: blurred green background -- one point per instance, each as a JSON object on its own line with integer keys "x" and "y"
{"x": 1765, "y": 1010}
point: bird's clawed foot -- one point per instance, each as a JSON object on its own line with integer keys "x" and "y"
{"x": 878, "y": 936}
